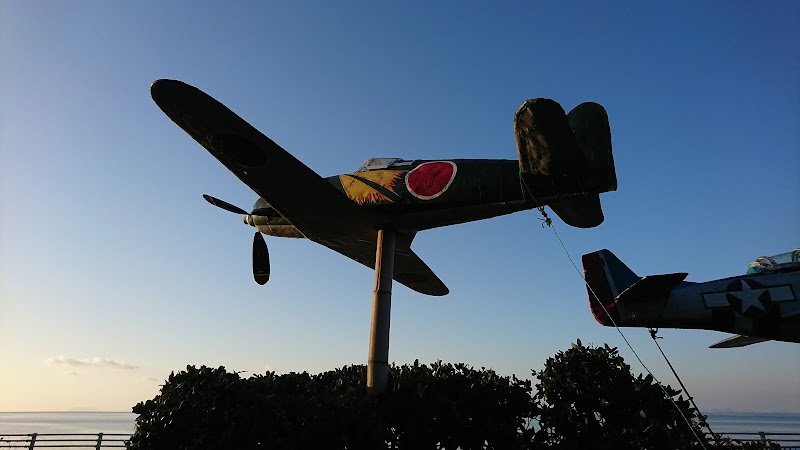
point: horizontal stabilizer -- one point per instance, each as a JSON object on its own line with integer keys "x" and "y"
{"x": 738, "y": 341}
{"x": 566, "y": 155}
{"x": 580, "y": 212}
{"x": 651, "y": 287}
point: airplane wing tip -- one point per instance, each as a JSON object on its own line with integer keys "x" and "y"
{"x": 161, "y": 87}
{"x": 737, "y": 341}
{"x": 440, "y": 293}
{"x": 168, "y": 95}
{"x": 424, "y": 283}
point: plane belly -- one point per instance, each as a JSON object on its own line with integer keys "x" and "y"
{"x": 274, "y": 225}
{"x": 286, "y": 231}
{"x": 425, "y": 219}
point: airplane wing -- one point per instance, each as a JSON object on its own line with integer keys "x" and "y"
{"x": 409, "y": 269}
{"x": 292, "y": 188}
{"x": 317, "y": 209}
{"x": 738, "y": 341}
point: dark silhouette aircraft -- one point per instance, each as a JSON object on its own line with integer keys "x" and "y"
{"x": 759, "y": 306}
{"x": 373, "y": 214}
{"x": 564, "y": 161}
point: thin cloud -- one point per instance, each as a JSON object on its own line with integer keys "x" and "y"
{"x": 93, "y": 362}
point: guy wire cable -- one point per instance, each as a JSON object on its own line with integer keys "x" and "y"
{"x": 703, "y": 421}
{"x": 549, "y": 223}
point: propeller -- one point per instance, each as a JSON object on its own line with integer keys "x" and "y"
{"x": 225, "y": 205}
{"x": 260, "y": 259}
{"x": 260, "y": 251}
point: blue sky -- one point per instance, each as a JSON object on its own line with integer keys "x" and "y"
{"x": 114, "y": 271}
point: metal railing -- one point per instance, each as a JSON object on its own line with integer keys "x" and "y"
{"x": 57, "y": 440}
{"x": 787, "y": 441}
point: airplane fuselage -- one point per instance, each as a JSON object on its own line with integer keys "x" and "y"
{"x": 418, "y": 195}
{"x": 763, "y": 305}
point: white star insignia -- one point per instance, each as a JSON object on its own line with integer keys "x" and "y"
{"x": 749, "y": 297}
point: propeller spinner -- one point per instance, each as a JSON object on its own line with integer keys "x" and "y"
{"x": 260, "y": 251}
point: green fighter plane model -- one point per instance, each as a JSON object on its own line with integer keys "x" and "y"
{"x": 372, "y": 215}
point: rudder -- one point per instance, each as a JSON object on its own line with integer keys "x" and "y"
{"x": 589, "y": 123}
{"x": 606, "y": 278}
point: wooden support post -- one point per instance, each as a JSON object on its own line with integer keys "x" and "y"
{"x": 378, "y": 361}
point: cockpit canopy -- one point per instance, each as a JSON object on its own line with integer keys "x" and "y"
{"x": 382, "y": 163}
{"x": 788, "y": 260}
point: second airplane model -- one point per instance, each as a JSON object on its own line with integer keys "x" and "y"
{"x": 759, "y": 306}
{"x": 564, "y": 161}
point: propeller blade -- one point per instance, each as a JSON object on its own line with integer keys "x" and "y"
{"x": 260, "y": 259}
{"x": 224, "y": 205}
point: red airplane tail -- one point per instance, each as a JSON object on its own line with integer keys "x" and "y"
{"x": 606, "y": 278}
{"x": 566, "y": 155}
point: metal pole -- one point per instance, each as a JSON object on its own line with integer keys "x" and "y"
{"x": 378, "y": 361}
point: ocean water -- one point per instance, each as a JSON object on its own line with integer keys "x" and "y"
{"x": 72, "y": 422}
{"x": 122, "y": 422}
{"x": 746, "y": 422}
{"x": 725, "y": 423}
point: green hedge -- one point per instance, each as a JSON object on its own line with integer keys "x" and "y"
{"x": 585, "y": 398}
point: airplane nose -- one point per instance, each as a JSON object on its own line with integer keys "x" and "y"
{"x": 248, "y": 219}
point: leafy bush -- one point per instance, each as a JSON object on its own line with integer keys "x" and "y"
{"x": 455, "y": 406}
{"x": 589, "y": 398}
{"x": 585, "y": 398}
{"x": 442, "y": 406}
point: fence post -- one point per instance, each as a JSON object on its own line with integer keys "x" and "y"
{"x": 33, "y": 441}
{"x": 763, "y": 435}
{"x": 99, "y": 441}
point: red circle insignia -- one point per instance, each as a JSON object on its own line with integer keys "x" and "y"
{"x": 429, "y": 180}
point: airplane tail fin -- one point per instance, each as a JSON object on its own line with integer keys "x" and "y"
{"x": 606, "y": 278}
{"x": 566, "y": 154}
{"x": 616, "y": 290}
